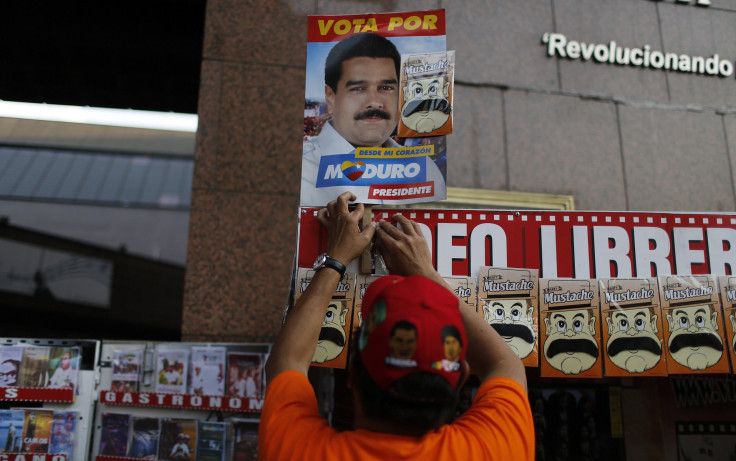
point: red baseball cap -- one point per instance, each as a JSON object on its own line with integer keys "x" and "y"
{"x": 411, "y": 324}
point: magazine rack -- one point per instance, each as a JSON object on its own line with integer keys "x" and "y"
{"x": 146, "y": 397}
{"x": 65, "y": 399}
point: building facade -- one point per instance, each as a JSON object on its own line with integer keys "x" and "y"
{"x": 627, "y": 105}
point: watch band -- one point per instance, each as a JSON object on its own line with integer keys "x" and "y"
{"x": 324, "y": 260}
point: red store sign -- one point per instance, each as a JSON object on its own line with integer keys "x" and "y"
{"x": 186, "y": 401}
{"x": 561, "y": 243}
{"x": 36, "y": 394}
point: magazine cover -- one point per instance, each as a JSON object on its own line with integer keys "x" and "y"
{"x": 507, "y": 300}
{"x": 632, "y": 327}
{"x": 211, "y": 441}
{"x": 426, "y": 89}
{"x": 245, "y": 440}
{"x": 207, "y": 371}
{"x": 11, "y": 430}
{"x": 171, "y": 370}
{"x": 334, "y": 335}
{"x": 37, "y": 430}
{"x": 10, "y": 359}
{"x": 728, "y": 299}
{"x": 244, "y": 371}
{"x": 126, "y": 370}
{"x": 694, "y": 333}
{"x": 62, "y": 433}
{"x": 144, "y": 437}
{"x": 351, "y": 110}
{"x": 569, "y": 314}
{"x": 35, "y": 366}
{"x": 178, "y": 440}
{"x": 64, "y": 368}
{"x": 114, "y": 434}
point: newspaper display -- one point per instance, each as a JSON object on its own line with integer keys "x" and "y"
{"x": 728, "y": 299}
{"x": 335, "y": 333}
{"x": 63, "y": 430}
{"x": 207, "y": 371}
{"x": 349, "y": 138}
{"x": 244, "y": 374}
{"x": 694, "y": 333}
{"x": 632, "y": 327}
{"x": 171, "y": 370}
{"x": 569, "y": 314}
{"x": 507, "y": 300}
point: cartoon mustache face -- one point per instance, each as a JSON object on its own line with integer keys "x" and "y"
{"x": 514, "y": 329}
{"x": 684, "y": 340}
{"x": 426, "y": 105}
{"x": 634, "y": 344}
{"x": 562, "y": 346}
{"x": 333, "y": 335}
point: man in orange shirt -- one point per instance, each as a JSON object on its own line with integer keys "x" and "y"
{"x": 403, "y": 407}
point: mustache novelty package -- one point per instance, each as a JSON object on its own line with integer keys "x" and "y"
{"x": 583, "y": 328}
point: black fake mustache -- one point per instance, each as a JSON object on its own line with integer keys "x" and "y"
{"x": 331, "y": 334}
{"x": 372, "y": 113}
{"x": 644, "y": 343}
{"x": 514, "y": 329}
{"x": 695, "y": 340}
{"x": 426, "y": 105}
{"x": 561, "y": 346}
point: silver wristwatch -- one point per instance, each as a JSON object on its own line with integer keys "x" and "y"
{"x": 324, "y": 260}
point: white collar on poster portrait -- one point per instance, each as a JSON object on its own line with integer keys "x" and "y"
{"x": 331, "y": 142}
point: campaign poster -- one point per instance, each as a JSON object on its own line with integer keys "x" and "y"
{"x": 337, "y": 325}
{"x": 694, "y": 327}
{"x": 354, "y": 101}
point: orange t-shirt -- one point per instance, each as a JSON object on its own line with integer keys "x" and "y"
{"x": 498, "y": 426}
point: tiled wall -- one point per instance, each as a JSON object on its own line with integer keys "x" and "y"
{"x": 615, "y": 137}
